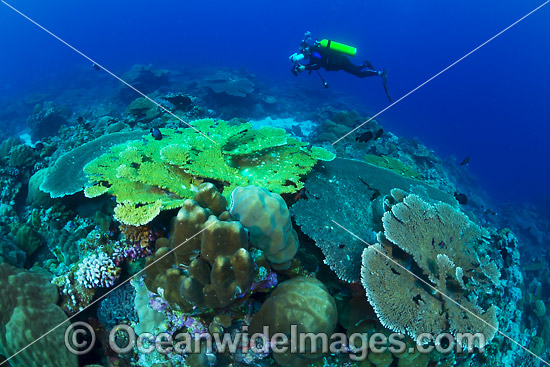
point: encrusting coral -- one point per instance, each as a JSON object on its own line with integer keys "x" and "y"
{"x": 267, "y": 219}
{"x": 147, "y": 176}
{"x": 443, "y": 244}
{"x": 207, "y": 262}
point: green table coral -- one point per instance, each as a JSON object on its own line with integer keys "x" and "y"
{"x": 393, "y": 164}
{"x": 147, "y": 176}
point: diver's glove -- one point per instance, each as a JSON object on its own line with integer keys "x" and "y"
{"x": 300, "y": 68}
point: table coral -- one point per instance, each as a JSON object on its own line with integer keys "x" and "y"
{"x": 147, "y": 176}
{"x": 443, "y": 244}
{"x": 229, "y": 83}
{"x": 66, "y": 177}
{"x": 330, "y": 191}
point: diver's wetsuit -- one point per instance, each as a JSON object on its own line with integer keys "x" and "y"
{"x": 334, "y": 61}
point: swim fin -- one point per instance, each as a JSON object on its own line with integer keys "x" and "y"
{"x": 367, "y": 64}
{"x": 384, "y": 77}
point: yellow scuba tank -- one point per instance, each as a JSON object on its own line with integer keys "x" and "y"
{"x": 338, "y": 47}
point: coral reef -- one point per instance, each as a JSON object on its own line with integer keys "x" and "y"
{"x": 442, "y": 243}
{"x": 392, "y": 164}
{"x": 27, "y": 239}
{"x": 216, "y": 266}
{"x": 148, "y": 175}
{"x": 144, "y": 78}
{"x": 66, "y": 175}
{"x": 22, "y": 157}
{"x": 118, "y": 307}
{"x": 329, "y": 193}
{"x": 267, "y": 219}
{"x": 28, "y": 303}
{"x": 212, "y": 269}
{"x": 10, "y": 253}
{"x": 75, "y": 296}
{"x": 143, "y": 109}
{"x": 47, "y": 119}
{"x": 229, "y": 83}
{"x": 303, "y": 302}
{"x": 36, "y": 197}
{"x": 97, "y": 270}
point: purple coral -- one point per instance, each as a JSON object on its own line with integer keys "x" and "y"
{"x": 97, "y": 270}
{"x": 131, "y": 252}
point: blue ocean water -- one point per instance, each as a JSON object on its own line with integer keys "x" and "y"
{"x": 492, "y": 106}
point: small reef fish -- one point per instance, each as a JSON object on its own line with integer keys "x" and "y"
{"x": 96, "y": 66}
{"x": 461, "y": 198}
{"x": 378, "y": 134}
{"x": 155, "y": 133}
{"x": 465, "y": 161}
{"x": 365, "y": 137}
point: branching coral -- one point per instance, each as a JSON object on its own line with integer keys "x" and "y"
{"x": 443, "y": 245}
{"x": 97, "y": 270}
{"x": 148, "y": 175}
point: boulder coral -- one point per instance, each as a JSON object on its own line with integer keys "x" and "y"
{"x": 302, "y": 303}
{"x": 266, "y": 217}
{"x": 30, "y": 315}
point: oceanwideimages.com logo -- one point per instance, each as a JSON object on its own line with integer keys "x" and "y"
{"x": 80, "y": 339}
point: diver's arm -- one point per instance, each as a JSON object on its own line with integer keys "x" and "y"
{"x": 312, "y": 66}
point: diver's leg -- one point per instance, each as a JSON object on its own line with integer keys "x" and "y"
{"x": 368, "y": 72}
{"x": 359, "y": 71}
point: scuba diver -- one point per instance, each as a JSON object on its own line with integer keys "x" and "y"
{"x": 332, "y": 56}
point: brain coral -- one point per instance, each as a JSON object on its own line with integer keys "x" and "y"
{"x": 267, "y": 219}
